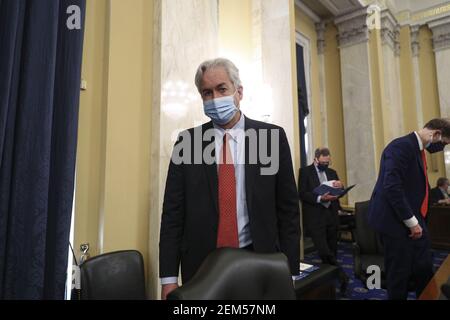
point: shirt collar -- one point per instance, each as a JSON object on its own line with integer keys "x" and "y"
{"x": 239, "y": 127}
{"x": 317, "y": 168}
{"x": 419, "y": 141}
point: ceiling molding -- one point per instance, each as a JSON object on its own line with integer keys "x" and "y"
{"x": 330, "y": 6}
{"x": 307, "y": 11}
{"x": 422, "y": 17}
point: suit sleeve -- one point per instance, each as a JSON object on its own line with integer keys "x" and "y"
{"x": 396, "y": 161}
{"x": 288, "y": 207}
{"x": 435, "y": 196}
{"x": 337, "y": 202}
{"x": 304, "y": 190}
{"x": 172, "y": 221}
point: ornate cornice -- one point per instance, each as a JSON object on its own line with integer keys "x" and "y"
{"x": 352, "y": 28}
{"x": 415, "y": 45}
{"x": 441, "y": 33}
{"x": 320, "y": 30}
{"x": 390, "y": 31}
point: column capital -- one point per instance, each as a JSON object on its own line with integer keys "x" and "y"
{"x": 352, "y": 28}
{"x": 415, "y": 45}
{"x": 390, "y": 31}
{"x": 320, "y": 30}
{"x": 441, "y": 33}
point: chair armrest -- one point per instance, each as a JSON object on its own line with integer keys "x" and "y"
{"x": 357, "y": 267}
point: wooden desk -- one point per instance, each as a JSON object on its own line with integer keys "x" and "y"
{"x": 439, "y": 227}
{"x": 433, "y": 289}
{"x": 318, "y": 285}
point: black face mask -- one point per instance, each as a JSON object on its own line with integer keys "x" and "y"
{"x": 436, "y": 147}
{"x": 322, "y": 166}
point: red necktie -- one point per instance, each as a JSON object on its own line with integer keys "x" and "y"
{"x": 424, "y": 207}
{"x": 227, "y": 235}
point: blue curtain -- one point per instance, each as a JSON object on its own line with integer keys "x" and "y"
{"x": 40, "y": 66}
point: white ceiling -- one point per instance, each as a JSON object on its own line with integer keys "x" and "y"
{"x": 329, "y": 8}
{"x": 416, "y": 5}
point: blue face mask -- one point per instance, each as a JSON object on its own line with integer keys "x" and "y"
{"x": 220, "y": 110}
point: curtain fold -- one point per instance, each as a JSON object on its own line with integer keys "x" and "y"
{"x": 303, "y": 109}
{"x": 40, "y": 67}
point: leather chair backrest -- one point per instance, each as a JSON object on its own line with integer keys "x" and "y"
{"x": 366, "y": 238}
{"x": 236, "y": 274}
{"x": 115, "y": 275}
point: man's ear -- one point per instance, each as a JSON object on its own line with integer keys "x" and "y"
{"x": 240, "y": 91}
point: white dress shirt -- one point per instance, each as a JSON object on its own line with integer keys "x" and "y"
{"x": 237, "y": 149}
{"x": 322, "y": 178}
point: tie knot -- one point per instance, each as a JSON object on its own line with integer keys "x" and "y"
{"x": 226, "y": 137}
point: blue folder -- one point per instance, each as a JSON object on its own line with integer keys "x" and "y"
{"x": 338, "y": 192}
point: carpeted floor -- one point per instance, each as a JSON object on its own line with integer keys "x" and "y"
{"x": 357, "y": 290}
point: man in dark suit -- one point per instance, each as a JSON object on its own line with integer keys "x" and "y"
{"x": 399, "y": 205}
{"x": 439, "y": 195}
{"x": 224, "y": 194}
{"x": 320, "y": 212}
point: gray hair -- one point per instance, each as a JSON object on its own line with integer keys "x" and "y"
{"x": 230, "y": 68}
{"x": 441, "y": 181}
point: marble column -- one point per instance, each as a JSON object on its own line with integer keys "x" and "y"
{"x": 392, "y": 105}
{"x": 415, "y": 48}
{"x": 441, "y": 45}
{"x": 357, "y": 102}
{"x": 186, "y": 35}
{"x": 320, "y": 30}
{"x": 272, "y": 99}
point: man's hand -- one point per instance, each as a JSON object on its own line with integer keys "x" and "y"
{"x": 166, "y": 289}
{"x": 416, "y": 232}
{"x": 326, "y": 197}
{"x": 338, "y": 184}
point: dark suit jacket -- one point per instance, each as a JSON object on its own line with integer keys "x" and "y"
{"x": 312, "y": 211}
{"x": 400, "y": 188}
{"x": 436, "y": 195}
{"x": 190, "y": 210}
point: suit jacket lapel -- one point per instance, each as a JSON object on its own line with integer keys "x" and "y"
{"x": 314, "y": 176}
{"x": 211, "y": 169}
{"x": 418, "y": 153}
{"x": 251, "y": 170}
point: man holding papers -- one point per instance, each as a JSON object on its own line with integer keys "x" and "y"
{"x": 320, "y": 210}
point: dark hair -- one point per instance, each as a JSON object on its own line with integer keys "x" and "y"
{"x": 321, "y": 152}
{"x": 441, "y": 181}
{"x": 442, "y": 124}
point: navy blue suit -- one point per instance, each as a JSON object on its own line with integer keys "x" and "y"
{"x": 398, "y": 194}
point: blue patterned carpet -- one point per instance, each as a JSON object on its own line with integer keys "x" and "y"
{"x": 357, "y": 290}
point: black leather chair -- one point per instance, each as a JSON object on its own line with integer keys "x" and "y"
{"x": 346, "y": 226}
{"x": 445, "y": 289}
{"x": 236, "y": 274}
{"x": 115, "y": 275}
{"x": 367, "y": 248}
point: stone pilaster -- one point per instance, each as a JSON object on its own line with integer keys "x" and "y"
{"x": 320, "y": 30}
{"x": 415, "y": 49}
{"x": 441, "y": 45}
{"x": 357, "y": 101}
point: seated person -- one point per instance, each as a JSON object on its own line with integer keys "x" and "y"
{"x": 439, "y": 195}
